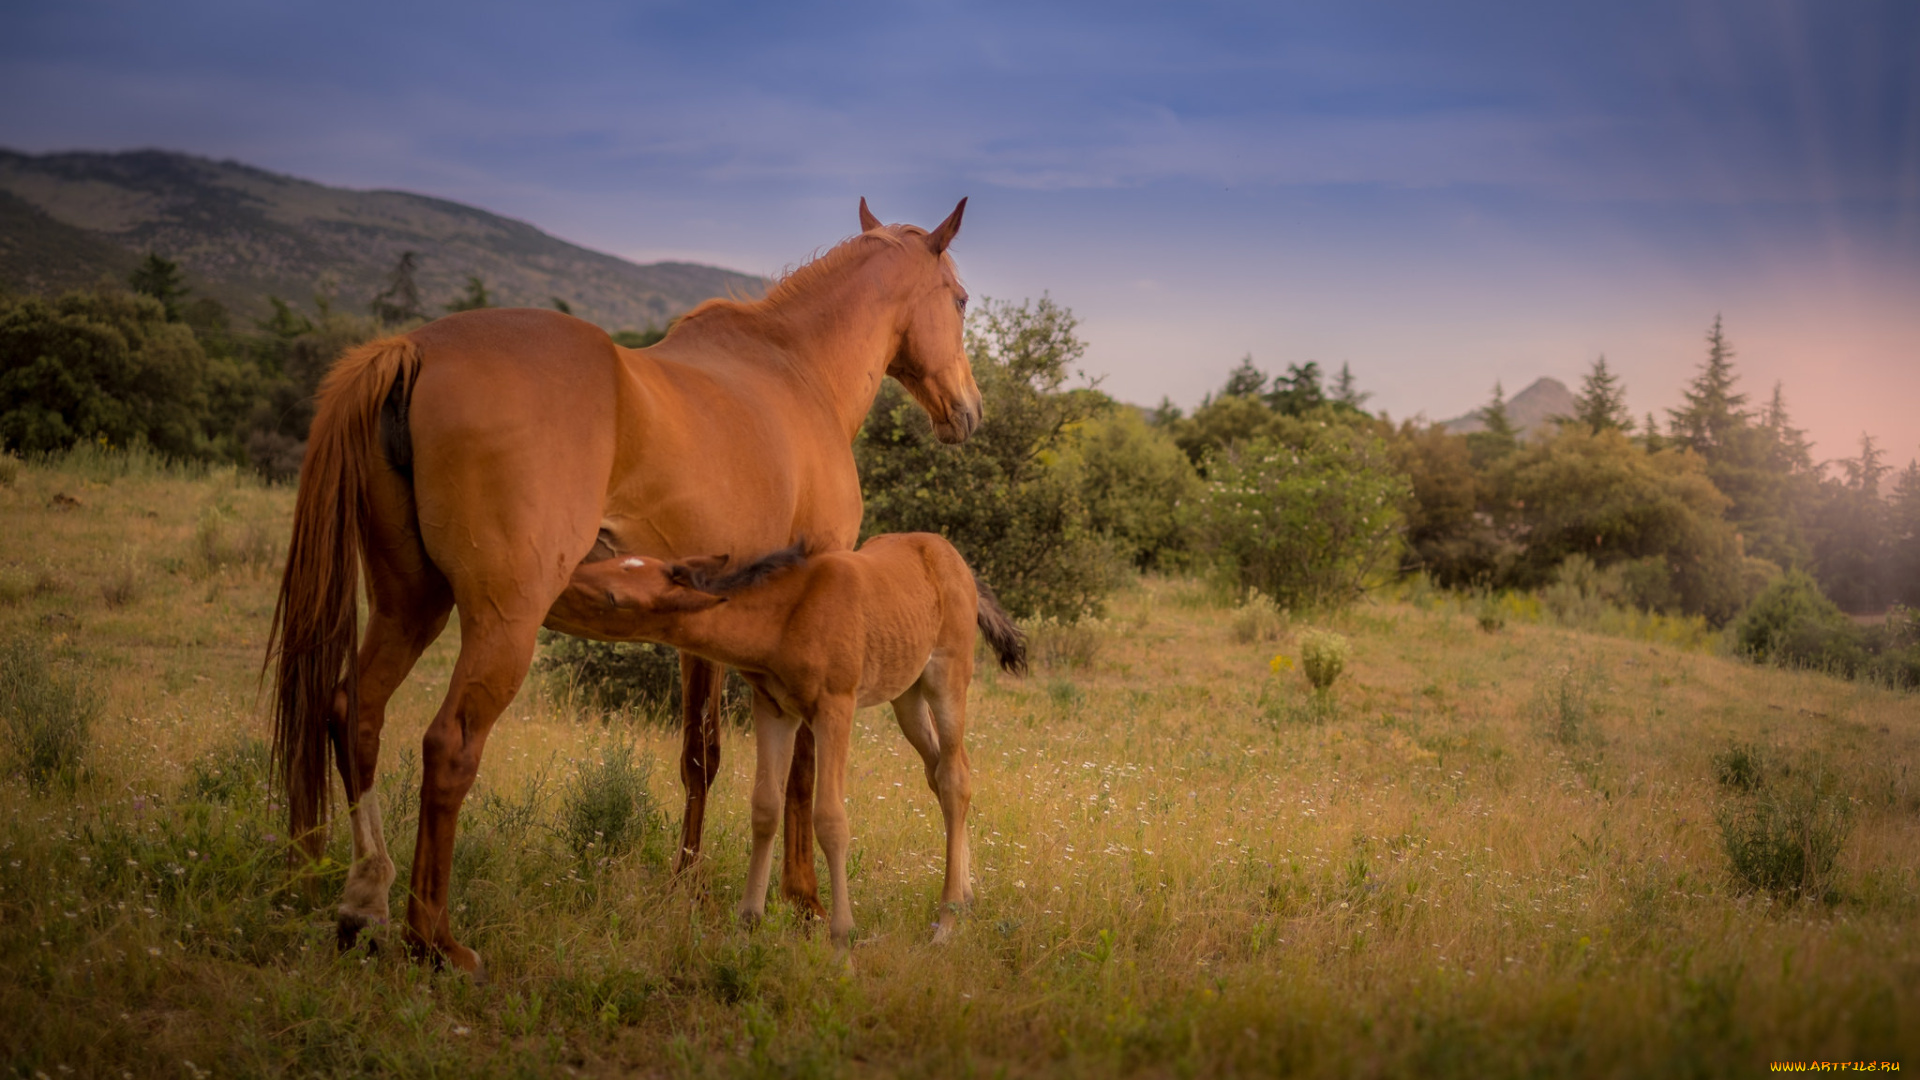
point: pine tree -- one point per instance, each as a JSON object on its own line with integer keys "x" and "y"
{"x": 1245, "y": 380}
{"x": 399, "y": 302}
{"x": 1298, "y": 392}
{"x": 1851, "y": 550}
{"x": 1499, "y": 438}
{"x": 1903, "y": 536}
{"x": 161, "y": 279}
{"x": 1346, "y": 391}
{"x": 1601, "y": 403}
{"x": 474, "y": 298}
{"x": 1706, "y": 424}
{"x": 1791, "y": 453}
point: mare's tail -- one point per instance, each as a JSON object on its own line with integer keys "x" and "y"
{"x": 1009, "y": 644}
{"x": 311, "y": 646}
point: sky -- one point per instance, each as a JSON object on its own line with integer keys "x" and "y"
{"x": 1441, "y": 196}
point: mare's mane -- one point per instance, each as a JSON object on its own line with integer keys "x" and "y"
{"x": 745, "y": 577}
{"x": 798, "y": 280}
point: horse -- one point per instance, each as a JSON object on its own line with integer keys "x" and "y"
{"x": 818, "y": 637}
{"x": 474, "y": 462}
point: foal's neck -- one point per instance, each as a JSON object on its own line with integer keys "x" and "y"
{"x": 747, "y": 631}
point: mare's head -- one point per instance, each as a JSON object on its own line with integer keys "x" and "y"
{"x": 623, "y": 599}
{"x": 932, "y": 360}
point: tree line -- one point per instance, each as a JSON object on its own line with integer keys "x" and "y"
{"x": 1277, "y": 483}
{"x": 152, "y": 365}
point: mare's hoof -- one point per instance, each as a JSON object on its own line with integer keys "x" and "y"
{"x": 808, "y": 904}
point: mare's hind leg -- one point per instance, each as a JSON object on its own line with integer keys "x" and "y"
{"x": 700, "y": 686}
{"x": 392, "y": 645}
{"x": 798, "y": 882}
{"x": 495, "y": 651}
{"x": 409, "y": 600}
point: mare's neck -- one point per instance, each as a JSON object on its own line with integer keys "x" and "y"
{"x": 842, "y": 330}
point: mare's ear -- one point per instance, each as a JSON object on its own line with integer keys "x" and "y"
{"x": 868, "y": 222}
{"x": 942, "y": 236}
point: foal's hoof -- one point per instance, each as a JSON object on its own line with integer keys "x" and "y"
{"x": 808, "y": 905}
{"x": 347, "y": 932}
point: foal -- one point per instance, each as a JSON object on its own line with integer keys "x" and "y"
{"x": 818, "y": 637}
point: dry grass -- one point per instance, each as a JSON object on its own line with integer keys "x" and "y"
{"x": 1484, "y": 855}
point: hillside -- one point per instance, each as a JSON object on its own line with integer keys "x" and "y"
{"x": 1530, "y": 409}
{"x": 243, "y": 233}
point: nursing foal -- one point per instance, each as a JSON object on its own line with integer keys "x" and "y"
{"x": 818, "y": 637}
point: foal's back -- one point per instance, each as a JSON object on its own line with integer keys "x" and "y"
{"x": 912, "y": 597}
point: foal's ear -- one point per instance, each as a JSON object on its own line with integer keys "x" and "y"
{"x": 868, "y": 222}
{"x": 706, "y": 564}
{"x": 942, "y": 236}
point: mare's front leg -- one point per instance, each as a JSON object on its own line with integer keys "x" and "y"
{"x": 832, "y": 731}
{"x": 773, "y": 743}
{"x": 494, "y": 657}
{"x": 700, "y": 689}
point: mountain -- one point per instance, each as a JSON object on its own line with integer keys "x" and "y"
{"x": 1530, "y": 410}
{"x": 242, "y": 233}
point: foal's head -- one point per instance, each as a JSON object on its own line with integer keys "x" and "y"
{"x": 629, "y": 598}
{"x": 932, "y": 361}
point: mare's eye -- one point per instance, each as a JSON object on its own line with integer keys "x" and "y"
{"x": 961, "y": 303}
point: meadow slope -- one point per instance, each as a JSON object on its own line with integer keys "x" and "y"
{"x": 1485, "y": 854}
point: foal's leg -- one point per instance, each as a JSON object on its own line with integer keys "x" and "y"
{"x": 932, "y": 714}
{"x": 773, "y": 742}
{"x": 700, "y": 689}
{"x": 494, "y": 656}
{"x": 832, "y": 730}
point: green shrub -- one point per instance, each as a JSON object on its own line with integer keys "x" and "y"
{"x": 1054, "y": 645}
{"x": 1785, "y": 837}
{"x": 608, "y": 809}
{"x": 1307, "y": 516}
{"x": 1489, "y": 612}
{"x": 125, "y": 581}
{"x": 1259, "y": 619}
{"x": 46, "y": 719}
{"x": 1741, "y": 767}
{"x": 1138, "y": 488}
{"x": 1323, "y": 656}
{"x": 9, "y": 468}
{"x": 219, "y": 542}
{"x": 1009, "y": 498}
{"x": 635, "y": 676}
{"x": 1794, "y": 624}
{"x": 1562, "y": 704}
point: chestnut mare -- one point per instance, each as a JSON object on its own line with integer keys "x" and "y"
{"x": 475, "y": 462}
{"x": 819, "y": 637}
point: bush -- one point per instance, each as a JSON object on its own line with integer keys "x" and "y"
{"x": 230, "y": 772}
{"x": 1055, "y": 645}
{"x": 1741, "y": 767}
{"x": 1307, "y": 517}
{"x": 1562, "y": 704}
{"x": 1259, "y": 619}
{"x": 124, "y": 582}
{"x": 1139, "y": 490}
{"x": 46, "y": 719}
{"x": 608, "y": 809}
{"x": 1008, "y": 498}
{"x": 1785, "y": 837}
{"x": 1323, "y": 656}
{"x": 1794, "y": 624}
{"x": 9, "y": 468}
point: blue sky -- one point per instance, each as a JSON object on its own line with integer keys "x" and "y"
{"x": 1441, "y": 195}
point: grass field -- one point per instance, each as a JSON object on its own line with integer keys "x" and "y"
{"x": 1482, "y": 854}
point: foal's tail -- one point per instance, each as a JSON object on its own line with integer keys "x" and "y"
{"x": 311, "y": 646}
{"x": 1008, "y": 642}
